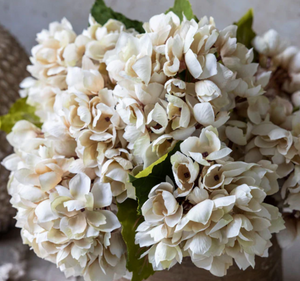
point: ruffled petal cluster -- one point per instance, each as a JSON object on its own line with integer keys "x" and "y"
{"x": 214, "y": 213}
{"x": 274, "y": 136}
{"x": 67, "y": 214}
{"x": 68, "y": 176}
{"x": 112, "y": 102}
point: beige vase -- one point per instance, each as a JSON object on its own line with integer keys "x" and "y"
{"x": 13, "y": 62}
{"x": 266, "y": 269}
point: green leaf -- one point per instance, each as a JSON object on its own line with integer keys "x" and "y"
{"x": 20, "y": 110}
{"x": 183, "y": 7}
{"x": 102, "y": 14}
{"x": 129, "y": 212}
{"x": 146, "y": 172}
{"x": 245, "y": 33}
{"x": 130, "y": 220}
{"x": 151, "y": 176}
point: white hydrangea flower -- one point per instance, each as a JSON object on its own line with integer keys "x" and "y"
{"x": 104, "y": 115}
{"x": 162, "y": 205}
{"x": 158, "y": 148}
{"x": 74, "y": 107}
{"x": 258, "y": 108}
{"x": 163, "y": 256}
{"x": 131, "y": 113}
{"x": 280, "y": 110}
{"x": 272, "y": 141}
{"x": 218, "y": 223}
{"x": 91, "y": 147}
{"x": 88, "y": 81}
{"x": 39, "y": 95}
{"x": 207, "y": 147}
{"x": 48, "y": 56}
{"x": 178, "y": 112}
{"x": 185, "y": 172}
{"x": 205, "y": 115}
{"x": 158, "y": 118}
{"x": 131, "y": 57}
{"x": 102, "y": 38}
{"x": 70, "y": 223}
{"x": 176, "y": 87}
{"x": 114, "y": 173}
{"x": 161, "y": 27}
{"x": 238, "y": 132}
{"x": 113, "y": 102}
{"x": 199, "y": 41}
{"x": 270, "y": 44}
{"x": 207, "y": 90}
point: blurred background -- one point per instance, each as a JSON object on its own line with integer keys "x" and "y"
{"x": 24, "y": 18}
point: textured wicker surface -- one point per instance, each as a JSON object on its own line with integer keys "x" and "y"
{"x": 13, "y": 62}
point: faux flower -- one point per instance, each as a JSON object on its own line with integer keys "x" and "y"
{"x": 162, "y": 205}
{"x": 183, "y": 102}
{"x": 207, "y": 147}
{"x": 269, "y": 44}
{"x": 185, "y": 172}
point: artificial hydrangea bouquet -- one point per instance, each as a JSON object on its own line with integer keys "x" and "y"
{"x": 139, "y": 144}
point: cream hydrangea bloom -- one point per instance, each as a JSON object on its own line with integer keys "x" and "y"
{"x": 270, "y": 44}
{"x": 65, "y": 217}
{"x": 216, "y": 226}
{"x": 113, "y": 102}
{"x": 272, "y": 141}
{"x": 48, "y": 55}
{"x": 207, "y": 147}
{"x": 185, "y": 173}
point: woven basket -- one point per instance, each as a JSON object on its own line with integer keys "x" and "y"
{"x": 13, "y": 62}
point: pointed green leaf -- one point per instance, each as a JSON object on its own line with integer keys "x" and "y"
{"x": 183, "y": 7}
{"x": 245, "y": 33}
{"x": 151, "y": 176}
{"x": 20, "y": 110}
{"x": 130, "y": 220}
{"x": 146, "y": 172}
{"x": 102, "y": 14}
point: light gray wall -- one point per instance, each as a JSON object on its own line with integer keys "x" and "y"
{"x": 24, "y": 18}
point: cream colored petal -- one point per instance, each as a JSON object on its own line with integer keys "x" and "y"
{"x": 193, "y": 64}
{"x": 112, "y": 222}
{"x": 234, "y": 227}
{"x": 206, "y": 90}
{"x": 219, "y": 154}
{"x": 80, "y": 186}
{"x": 102, "y": 195}
{"x": 26, "y": 176}
{"x": 199, "y": 244}
{"x": 210, "y": 68}
{"x": 201, "y": 212}
{"x": 95, "y": 218}
{"x": 204, "y": 113}
{"x": 221, "y": 223}
{"x": 74, "y": 205}
{"x": 172, "y": 220}
{"x": 49, "y": 180}
{"x": 224, "y": 201}
{"x": 142, "y": 68}
{"x": 44, "y": 212}
{"x": 236, "y": 135}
